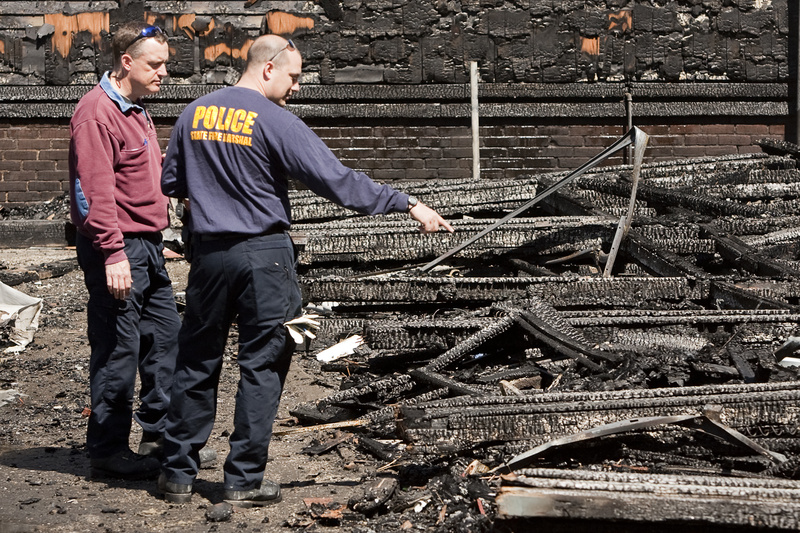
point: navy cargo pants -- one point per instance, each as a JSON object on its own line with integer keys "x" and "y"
{"x": 126, "y": 336}
{"x": 253, "y": 279}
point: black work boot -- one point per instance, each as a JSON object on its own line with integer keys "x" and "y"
{"x": 125, "y": 465}
{"x": 174, "y": 492}
{"x": 268, "y": 493}
{"x": 153, "y": 445}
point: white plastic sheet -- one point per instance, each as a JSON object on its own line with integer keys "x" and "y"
{"x": 23, "y": 311}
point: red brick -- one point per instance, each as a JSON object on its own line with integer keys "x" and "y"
{"x": 326, "y": 133}
{"x": 21, "y": 175}
{"x": 38, "y": 165}
{"x": 408, "y": 163}
{"x": 6, "y": 186}
{"x": 454, "y": 173}
{"x": 385, "y": 174}
{"x": 10, "y": 165}
{"x": 33, "y": 144}
{"x": 12, "y": 155}
{"x": 690, "y": 151}
{"x": 23, "y": 196}
{"x": 752, "y": 129}
{"x": 337, "y": 143}
{"x": 42, "y": 186}
{"x": 52, "y": 175}
{"x": 61, "y": 132}
{"x": 375, "y": 163}
{"x": 367, "y": 142}
{"x": 401, "y": 142}
{"x": 665, "y": 140}
{"x": 554, "y": 130}
{"x": 736, "y": 140}
{"x": 63, "y": 144}
{"x": 24, "y": 133}
{"x": 701, "y": 140}
{"x": 719, "y": 129}
{"x": 420, "y": 173}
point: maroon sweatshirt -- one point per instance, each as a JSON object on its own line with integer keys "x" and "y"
{"x": 114, "y": 170}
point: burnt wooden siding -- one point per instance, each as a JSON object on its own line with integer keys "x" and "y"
{"x": 386, "y": 81}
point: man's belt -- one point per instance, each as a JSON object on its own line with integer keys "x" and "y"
{"x": 208, "y": 237}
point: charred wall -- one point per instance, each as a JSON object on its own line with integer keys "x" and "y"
{"x": 386, "y": 81}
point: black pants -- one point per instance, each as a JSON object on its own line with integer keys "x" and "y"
{"x": 254, "y": 279}
{"x": 125, "y": 336}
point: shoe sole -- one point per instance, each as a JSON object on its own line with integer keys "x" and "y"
{"x": 174, "y": 497}
{"x": 253, "y": 503}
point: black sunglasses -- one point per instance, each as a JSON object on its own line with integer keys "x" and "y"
{"x": 289, "y": 46}
{"x": 150, "y": 31}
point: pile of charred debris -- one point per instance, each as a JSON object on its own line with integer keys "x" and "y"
{"x": 605, "y": 354}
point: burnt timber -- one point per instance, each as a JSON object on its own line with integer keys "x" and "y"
{"x": 520, "y": 340}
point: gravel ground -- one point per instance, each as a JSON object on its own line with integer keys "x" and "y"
{"x": 44, "y": 466}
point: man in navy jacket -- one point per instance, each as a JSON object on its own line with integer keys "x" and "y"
{"x": 232, "y": 153}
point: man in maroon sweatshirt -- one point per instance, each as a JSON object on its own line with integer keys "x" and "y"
{"x": 119, "y": 211}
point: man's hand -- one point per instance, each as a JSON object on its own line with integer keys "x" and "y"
{"x": 118, "y": 279}
{"x": 429, "y": 220}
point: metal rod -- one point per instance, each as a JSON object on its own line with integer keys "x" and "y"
{"x": 596, "y": 160}
{"x": 639, "y": 144}
{"x": 476, "y": 138}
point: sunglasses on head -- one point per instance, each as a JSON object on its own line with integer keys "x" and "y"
{"x": 150, "y": 31}
{"x": 289, "y": 46}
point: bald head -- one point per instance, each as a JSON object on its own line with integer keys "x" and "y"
{"x": 269, "y": 48}
{"x": 273, "y": 68}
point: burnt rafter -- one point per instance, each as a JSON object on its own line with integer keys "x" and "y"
{"x": 559, "y": 292}
{"x": 445, "y": 426}
{"x": 744, "y": 256}
{"x": 640, "y": 499}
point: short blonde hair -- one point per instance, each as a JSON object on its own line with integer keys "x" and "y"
{"x": 127, "y": 39}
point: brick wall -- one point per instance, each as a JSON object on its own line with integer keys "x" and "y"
{"x": 33, "y": 155}
{"x": 33, "y": 161}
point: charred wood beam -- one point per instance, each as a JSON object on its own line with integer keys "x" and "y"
{"x": 665, "y": 197}
{"x": 471, "y": 343}
{"x": 791, "y": 235}
{"x": 446, "y": 428}
{"x": 709, "y": 169}
{"x": 733, "y": 296}
{"x": 528, "y": 268}
{"x": 360, "y": 242}
{"x": 533, "y": 323}
{"x": 444, "y": 334}
{"x": 448, "y": 197}
{"x": 559, "y": 347}
{"x": 659, "y": 260}
{"x": 738, "y": 354}
{"x": 557, "y": 292}
{"x": 656, "y": 317}
{"x": 430, "y": 377}
{"x": 744, "y": 256}
{"x": 647, "y": 498}
{"x": 765, "y": 191}
{"x": 778, "y": 146}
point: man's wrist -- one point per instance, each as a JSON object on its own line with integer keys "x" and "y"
{"x": 412, "y": 202}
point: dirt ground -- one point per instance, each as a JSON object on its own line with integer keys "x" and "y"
{"x": 44, "y": 467}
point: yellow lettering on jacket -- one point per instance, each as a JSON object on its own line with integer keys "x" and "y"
{"x": 210, "y": 123}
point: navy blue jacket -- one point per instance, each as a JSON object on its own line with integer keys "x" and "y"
{"x": 232, "y": 153}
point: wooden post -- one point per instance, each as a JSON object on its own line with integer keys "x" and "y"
{"x": 476, "y": 150}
